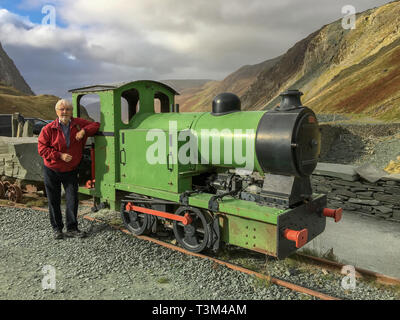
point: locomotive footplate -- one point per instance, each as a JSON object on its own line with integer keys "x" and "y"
{"x": 308, "y": 218}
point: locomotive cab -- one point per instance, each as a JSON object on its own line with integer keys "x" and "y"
{"x": 121, "y": 105}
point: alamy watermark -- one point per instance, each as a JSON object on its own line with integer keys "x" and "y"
{"x": 349, "y": 20}
{"x": 209, "y": 151}
{"x": 49, "y": 279}
{"x": 349, "y": 281}
{"x": 50, "y": 16}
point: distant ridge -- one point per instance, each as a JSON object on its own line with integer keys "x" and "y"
{"x": 182, "y": 84}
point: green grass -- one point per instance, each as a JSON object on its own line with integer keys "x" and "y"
{"x": 116, "y": 222}
{"x": 328, "y": 255}
{"x": 262, "y": 283}
{"x": 163, "y": 280}
{"x": 304, "y": 296}
{"x": 36, "y": 203}
{"x": 245, "y": 263}
{"x": 6, "y": 202}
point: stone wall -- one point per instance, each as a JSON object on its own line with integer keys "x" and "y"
{"x": 369, "y": 192}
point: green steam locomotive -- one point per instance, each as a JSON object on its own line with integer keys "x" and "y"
{"x": 225, "y": 176}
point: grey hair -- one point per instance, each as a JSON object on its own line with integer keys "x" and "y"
{"x": 63, "y": 102}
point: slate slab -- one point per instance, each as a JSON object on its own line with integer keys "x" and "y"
{"x": 342, "y": 171}
{"x": 370, "y": 173}
{"x": 393, "y": 177}
{"x": 362, "y": 201}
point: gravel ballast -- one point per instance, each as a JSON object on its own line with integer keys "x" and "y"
{"x": 109, "y": 264}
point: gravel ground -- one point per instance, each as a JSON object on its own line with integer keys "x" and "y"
{"x": 299, "y": 272}
{"x": 112, "y": 265}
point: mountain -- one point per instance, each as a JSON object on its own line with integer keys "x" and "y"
{"x": 10, "y": 76}
{"x": 41, "y": 106}
{"x": 93, "y": 110}
{"x": 17, "y": 96}
{"x": 354, "y": 71}
{"x": 183, "y": 84}
{"x": 200, "y": 98}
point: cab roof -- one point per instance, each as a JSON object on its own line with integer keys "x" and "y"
{"x": 114, "y": 86}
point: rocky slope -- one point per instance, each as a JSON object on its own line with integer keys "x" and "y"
{"x": 10, "y": 76}
{"x": 339, "y": 71}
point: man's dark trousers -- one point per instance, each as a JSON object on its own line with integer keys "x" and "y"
{"x": 52, "y": 182}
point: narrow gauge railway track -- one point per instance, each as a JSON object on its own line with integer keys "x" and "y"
{"x": 170, "y": 246}
{"x": 319, "y": 262}
{"x": 276, "y": 281}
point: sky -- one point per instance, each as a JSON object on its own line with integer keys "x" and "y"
{"x": 66, "y": 44}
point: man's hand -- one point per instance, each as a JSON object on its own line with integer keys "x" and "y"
{"x": 80, "y": 134}
{"x": 66, "y": 157}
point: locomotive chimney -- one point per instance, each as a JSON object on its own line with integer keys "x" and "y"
{"x": 290, "y": 100}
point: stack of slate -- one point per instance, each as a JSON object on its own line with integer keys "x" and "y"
{"x": 362, "y": 189}
{"x": 19, "y": 158}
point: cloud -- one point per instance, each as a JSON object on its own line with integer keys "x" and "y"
{"x": 9, "y": 18}
{"x": 121, "y": 40}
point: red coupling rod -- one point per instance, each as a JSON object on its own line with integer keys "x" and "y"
{"x": 185, "y": 219}
{"x": 333, "y": 213}
{"x": 300, "y": 237}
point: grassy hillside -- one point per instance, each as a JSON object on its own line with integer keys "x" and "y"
{"x": 41, "y": 106}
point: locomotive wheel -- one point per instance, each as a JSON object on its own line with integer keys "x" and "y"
{"x": 14, "y": 193}
{"x": 2, "y": 190}
{"x": 136, "y": 222}
{"x": 194, "y": 236}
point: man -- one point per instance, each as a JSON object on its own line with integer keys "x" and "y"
{"x": 61, "y": 144}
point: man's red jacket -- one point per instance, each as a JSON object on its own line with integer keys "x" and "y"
{"x": 52, "y": 143}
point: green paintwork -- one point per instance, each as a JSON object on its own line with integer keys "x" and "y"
{"x": 250, "y": 234}
{"x": 122, "y": 158}
{"x": 218, "y": 130}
